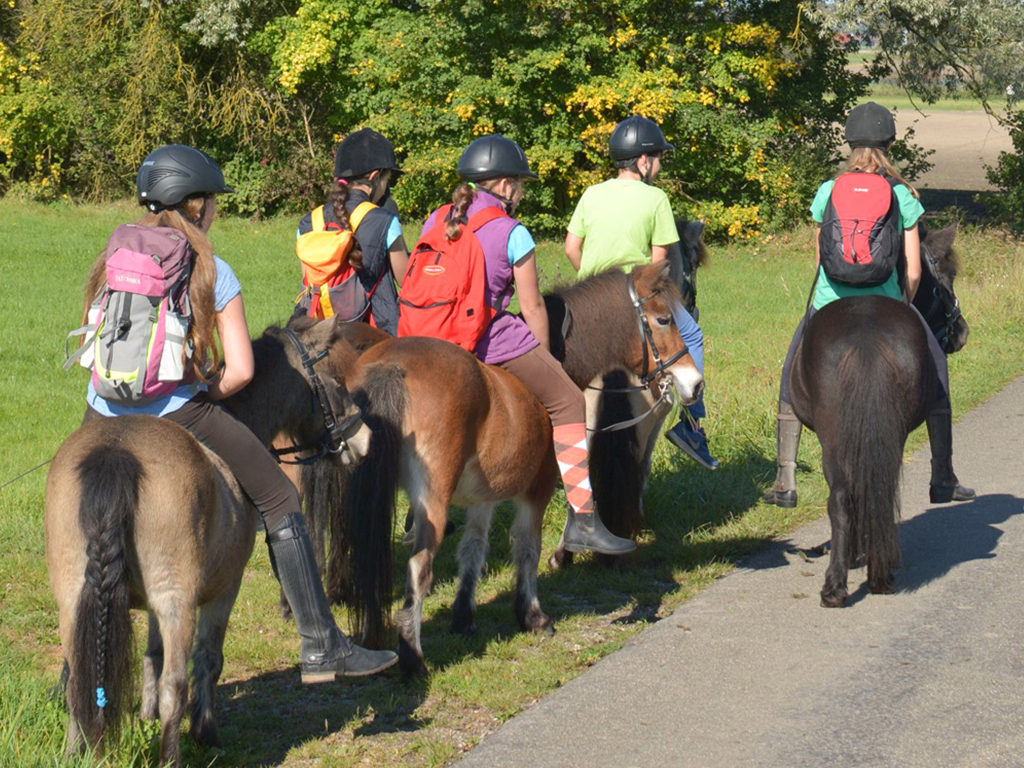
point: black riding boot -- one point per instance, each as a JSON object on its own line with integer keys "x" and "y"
{"x": 584, "y": 532}
{"x": 787, "y": 441}
{"x": 944, "y": 484}
{"x": 326, "y": 653}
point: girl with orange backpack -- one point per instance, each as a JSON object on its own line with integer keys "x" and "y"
{"x": 352, "y": 247}
{"x": 494, "y": 170}
{"x": 855, "y": 212}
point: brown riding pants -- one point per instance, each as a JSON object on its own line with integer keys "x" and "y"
{"x": 543, "y": 375}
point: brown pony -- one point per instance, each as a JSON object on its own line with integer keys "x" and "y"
{"x": 620, "y": 459}
{"x": 139, "y": 514}
{"x": 450, "y": 430}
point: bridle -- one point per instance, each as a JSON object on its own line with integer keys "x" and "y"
{"x": 647, "y": 378}
{"x": 944, "y": 301}
{"x": 333, "y": 441}
{"x": 647, "y": 339}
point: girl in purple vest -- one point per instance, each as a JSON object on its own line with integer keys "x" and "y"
{"x": 178, "y": 186}
{"x": 494, "y": 169}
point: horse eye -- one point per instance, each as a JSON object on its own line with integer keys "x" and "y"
{"x": 664, "y": 321}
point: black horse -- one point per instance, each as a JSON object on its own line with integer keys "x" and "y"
{"x": 863, "y": 379}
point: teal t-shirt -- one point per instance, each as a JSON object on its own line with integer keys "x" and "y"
{"x": 827, "y": 291}
{"x": 619, "y": 220}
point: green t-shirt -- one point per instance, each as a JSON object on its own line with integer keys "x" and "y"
{"x": 827, "y": 291}
{"x": 619, "y": 220}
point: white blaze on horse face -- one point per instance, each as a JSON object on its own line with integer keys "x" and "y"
{"x": 687, "y": 379}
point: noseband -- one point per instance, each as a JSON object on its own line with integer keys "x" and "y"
{"x": 944, "y": 301}
{"x": 647, "y": 339}
{"x": 333, "y": 440}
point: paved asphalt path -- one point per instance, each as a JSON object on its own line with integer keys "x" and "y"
{"x": 752, "y": 672}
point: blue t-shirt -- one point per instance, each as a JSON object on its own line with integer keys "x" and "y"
{"x": 520, "y": 243}
{"x": 225, "y": 288}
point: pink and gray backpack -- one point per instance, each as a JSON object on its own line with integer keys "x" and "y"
{"x": 136, "y": 338}
{"x": 860, "y": 241}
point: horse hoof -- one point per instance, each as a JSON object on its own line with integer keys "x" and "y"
{"x": 881, "y": 589}
{"x": 562, "y": 558}
{"x": 613, "y": 561}
{"x": 466, "y": 629}
{"x": 205, "y": 733}
{"x": 410, "y": 663}
{"x": 835, "y": 600}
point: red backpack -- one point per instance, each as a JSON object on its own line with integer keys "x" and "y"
{"x": 442, "y": 295}
{"x": 860, "y": 241}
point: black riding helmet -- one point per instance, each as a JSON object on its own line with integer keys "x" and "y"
{"x": 870, "y": 125}
{"x": 170, "y": 174}
{"x": 362, "y": 152}
{"x": 491, "y": 157}
{"x": 637, "y": 136}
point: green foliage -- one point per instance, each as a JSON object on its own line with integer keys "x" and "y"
{"x": 1008, "y": 175}
{"x": 748, "y": 92}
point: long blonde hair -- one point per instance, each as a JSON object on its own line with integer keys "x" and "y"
{"x": 205, "y": 357}
{"x": 875, "y": 160}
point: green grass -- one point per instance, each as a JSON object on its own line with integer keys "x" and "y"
{"x": 751, "y": 297}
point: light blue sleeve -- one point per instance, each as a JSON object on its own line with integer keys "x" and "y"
{"x": 520, "y": 243}
{"x": 394, "y": 231}
{"x": 226, "y": 286}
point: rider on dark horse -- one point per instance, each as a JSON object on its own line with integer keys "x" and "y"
{"x": 625, "y": 222}
{"x": 870, "y": 132}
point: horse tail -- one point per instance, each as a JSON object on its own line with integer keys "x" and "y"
{"x": 323, "y": 488}
{"x": 873, "y": 430}
{"x": 370, "y": 503}
{"x": 616, "y": 463}
{"x": 100, "y": 658}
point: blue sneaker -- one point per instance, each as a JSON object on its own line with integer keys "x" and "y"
{"x": 692, "y": 441}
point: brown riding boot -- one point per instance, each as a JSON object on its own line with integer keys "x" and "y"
{"x": 787, "y": 441}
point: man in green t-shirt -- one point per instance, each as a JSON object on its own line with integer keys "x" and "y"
{"x": 625, "y": 222}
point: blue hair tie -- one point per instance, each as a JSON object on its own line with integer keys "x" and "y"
{"x": 101, "y": 698}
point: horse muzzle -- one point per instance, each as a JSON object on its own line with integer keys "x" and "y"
{"x": 688, "y": 381}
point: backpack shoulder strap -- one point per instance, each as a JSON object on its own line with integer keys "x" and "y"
{"x": 357, "y": 216}
{"x": 316, "y": 219}
{"x": 487, "y": 215}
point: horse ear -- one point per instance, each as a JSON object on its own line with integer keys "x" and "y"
{"x": 940, "y": 241}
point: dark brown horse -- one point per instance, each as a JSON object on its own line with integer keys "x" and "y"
{"x": 450, "y": 430}
{"x": 863, "y": 379}
{"x": 620, "y": 459}
{"x": 140, "y": 515}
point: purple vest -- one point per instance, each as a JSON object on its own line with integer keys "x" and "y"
{"x": 508, "y": 336}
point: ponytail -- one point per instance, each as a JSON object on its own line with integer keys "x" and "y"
{"x": 338, "y": 197}
{"x": 462, "y": 198}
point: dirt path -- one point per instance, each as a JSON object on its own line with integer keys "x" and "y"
{"x": 963, "y": 142}
{"x": 753, "y": 673}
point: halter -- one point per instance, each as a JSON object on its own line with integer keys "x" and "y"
{"x": 647, "y": 338}
{"x": 333, "y": 440}
{"x": 646, "y": 379}
{"x": 942, "y": 300}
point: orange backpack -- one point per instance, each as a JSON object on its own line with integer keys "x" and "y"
{"x": 442, "y": 295}
{"x": 330, "y": 284}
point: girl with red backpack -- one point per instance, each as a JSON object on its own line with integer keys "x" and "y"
{"x": 868, "y": 180}
{"x": 359, "y": 203}
{"x": 178, "y": 186}
{"x": 494, "y": 170}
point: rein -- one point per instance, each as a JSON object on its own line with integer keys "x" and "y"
{"x": 333, "y": 440}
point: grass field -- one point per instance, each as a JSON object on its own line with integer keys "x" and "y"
{"x": 751, "y": 297}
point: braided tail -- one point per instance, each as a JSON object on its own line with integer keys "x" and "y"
{"x": 100, "y": 683}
